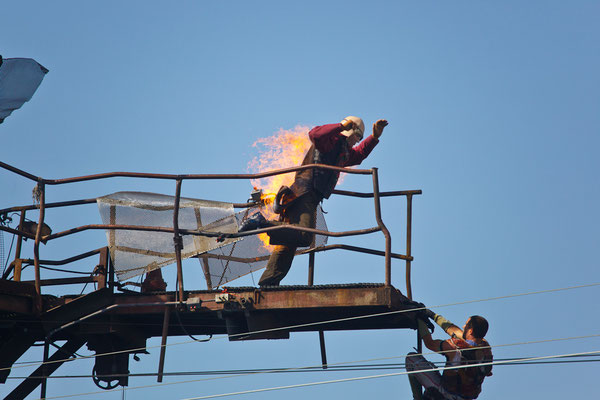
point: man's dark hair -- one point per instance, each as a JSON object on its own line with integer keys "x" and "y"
{"x": 479, "y": 326}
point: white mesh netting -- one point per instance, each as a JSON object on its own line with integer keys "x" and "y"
{"x": 135, "y": 252}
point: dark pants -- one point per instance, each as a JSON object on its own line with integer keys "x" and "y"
{"x": 303, "y": 212}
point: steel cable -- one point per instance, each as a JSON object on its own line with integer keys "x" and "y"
{"x": 321, "y": 323}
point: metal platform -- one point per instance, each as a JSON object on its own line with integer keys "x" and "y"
{"x": 240, "y": 311}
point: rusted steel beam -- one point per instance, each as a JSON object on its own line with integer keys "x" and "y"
{"x": 308, "y": 297}
{"x": 65, "y": 281}
{"x": 49, "y": 205}
{"x": 381, "y": 194}
{"x": 309, "y": 308}
{"x": 353, "y": 248}
{"x": 110, "y": 308}
{"x": 19, "y": 171}
{"x": 12, "y": 349}
{"x": 14, "y": 303}
{"x": 66, "y": 260}
{"x": 56, "y": 318}
{"x": 17, "y": 288}
{"x": 17, "y": 232}
{"x": 36, "y": 378}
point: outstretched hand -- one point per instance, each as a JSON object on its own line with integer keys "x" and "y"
{"x": 378, "y": 127}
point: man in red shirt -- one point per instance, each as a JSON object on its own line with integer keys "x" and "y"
{"x": 332, "y": 144}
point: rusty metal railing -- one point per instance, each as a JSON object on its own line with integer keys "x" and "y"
{"x": 177, "y": 232}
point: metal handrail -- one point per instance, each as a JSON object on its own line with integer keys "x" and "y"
{"x": 183, "y": 176}
{"x": 376, "y": 195}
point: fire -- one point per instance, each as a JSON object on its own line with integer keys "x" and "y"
{"x": 284, "y": 149}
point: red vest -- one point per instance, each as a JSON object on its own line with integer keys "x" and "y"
{"x": 466, "y": 382}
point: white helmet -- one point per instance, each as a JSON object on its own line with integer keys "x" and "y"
{"x": 358, "y": 127}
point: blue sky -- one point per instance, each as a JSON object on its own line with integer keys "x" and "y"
{"x": 493, "y": 111}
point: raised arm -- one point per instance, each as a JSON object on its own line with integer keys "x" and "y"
{"x": 432, "y": 344}
{"x": 325, "y": 137}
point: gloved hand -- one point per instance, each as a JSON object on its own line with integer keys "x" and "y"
{"x": 430, "y": 325}
{"x": 428, "y": 313}
{"x": 423, "y": 313}
{"x": 378, "y": 127}
{"x": 424, "y": 327}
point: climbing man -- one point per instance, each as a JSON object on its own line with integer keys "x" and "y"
{"x": 466, "y": 346}
{"x": 332, "y": 144}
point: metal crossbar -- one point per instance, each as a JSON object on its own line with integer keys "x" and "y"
{"x": 177, "y": 232}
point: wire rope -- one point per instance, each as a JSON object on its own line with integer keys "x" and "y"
{"x": 521, "y": 360}
{"x": 140, "y": 349}
{"x": 507, "y": 361}
{"x": 359, "y": 367}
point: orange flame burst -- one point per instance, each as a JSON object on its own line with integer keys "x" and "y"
{"x": 284, "y": 149}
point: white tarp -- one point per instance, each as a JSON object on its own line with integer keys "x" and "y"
{"x": 19, "y": 79}
{"x": 135, "y": 252}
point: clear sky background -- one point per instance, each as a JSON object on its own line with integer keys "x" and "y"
{"x": 492, "y": 110}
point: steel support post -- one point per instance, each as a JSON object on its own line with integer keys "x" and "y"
{"x": 311, "y": 280}
{"x": 408, "y": 244}
{"x": 36, "y": 246}
{"x": 163, "y": 344}
{"x": 61, "y": 355}
{"x": 386, "y": 233}
{"x": 178, "y": 240}
{"x": 45, "y": 370}
{"x": 17, "y": 251}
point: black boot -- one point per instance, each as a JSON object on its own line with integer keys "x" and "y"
{"x": 253, "y": 222}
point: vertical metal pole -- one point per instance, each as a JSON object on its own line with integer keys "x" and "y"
{"x": 103, "y": 261}
{"x": 19, "y": 237}
{"x": 177, "y": 240}
{"x": 311, "y": 279}
{"x": 45, "y": 370}
{"x": 408, "y": 243}
{"x": 18, "y": 264}
{"x": 311, "y": 269}
{"x": 111, "y": 272}
{"x": 323, "y": 353}
{"x": 112, "y": 236}
{"x": 311, "y": 256}
{"x": 163, "y": 344}
{"x": 36, "y": 246}
{"x": 206, "y": 269}
{"x": 386, "y": 233}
